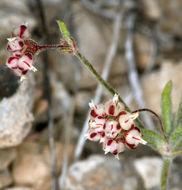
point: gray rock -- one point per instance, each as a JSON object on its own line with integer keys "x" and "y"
{"x": 6, "y": 157}
{"x": 150, "y": 170}
{"x": 16, "y": 115}
{"x": 19, "y": 188}
{"x": 154, "y": 83}
{"x": 14, "y": 13}
{"x": 5, "y": 178}
{"x": 97, "y": 172}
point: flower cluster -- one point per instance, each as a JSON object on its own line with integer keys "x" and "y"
{"x": 113, "y": 126}
{"x": 23, "y": 50}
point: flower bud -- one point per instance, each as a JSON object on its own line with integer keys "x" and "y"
{"x": 133, "y": 138}
{"x": 126, "y": 119}
{"x": 113, "y": 146}
{"x": 112, "y": 129}
{"x": 97, "y": 110}
{"x": 113, "y": 107}
{"x": 21, "y": 31}
{"x": 97, "y": 124}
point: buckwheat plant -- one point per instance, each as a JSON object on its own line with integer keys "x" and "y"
{"x": 111, "y": 123}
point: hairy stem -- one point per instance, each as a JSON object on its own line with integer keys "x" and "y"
{"x": 42, "y": 47}
{"x": 102, "y": 81}
{"x": 165, "y": 173}
{"x": 98, "y": 77}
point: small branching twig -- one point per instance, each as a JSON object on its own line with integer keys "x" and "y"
{"x": 47, "y": 94}
{"x": 133, "y": 75}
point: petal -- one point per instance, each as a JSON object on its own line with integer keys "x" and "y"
{"x": 15, "y": 45}
{"x": 12, "y": 62}
{"x": 93, "y": 136}
{"x": 113, "y": 107}
{"x": 21, "y": 31}
{"x": 126, "y": 119}
{"x": 26, "y": 62}
{"x": 112, "y": 129}
{"x": 97, "y": 110}
{"x": 113, "y": 146}
{"x": 133, "y": 138}
{"x": 17, "y": 54}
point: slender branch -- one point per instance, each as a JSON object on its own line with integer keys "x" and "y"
{"x": 68, "y": 123}
{"x": 133, "y": 74}
{"x": 47, "y": 94}
{"x": 98, "y": 93}
{"x": 97, "y": 76}
{"x": 158, "y": 117}
{"x": 84, "y": 61}
{"x": 165, "y": 173}
{"x": 96, "y": 8}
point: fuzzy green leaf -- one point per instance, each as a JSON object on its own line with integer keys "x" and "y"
{"x": 178, "y": 118}
{"x": 176, "y": 136}
{"x": 156, "y": 141}
{"x": 167, "y": 108}
{"x": 65, "y": 32}
{"x": 178, "y": 146}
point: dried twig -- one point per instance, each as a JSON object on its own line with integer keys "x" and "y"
{"x": 68, "y": 122}
{"x": 96, "y": 8}
{"x": 154, "y": 52}
{"x": 133, "y": 74}
{"x": 107, "y": 65}
{"x": 47, "y": 95}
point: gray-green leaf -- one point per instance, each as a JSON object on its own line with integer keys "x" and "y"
{"x": 65, "y": 32}
{"x": 176, "y": 136}
{"x": 178, "y": 118}
{"x": 155, "y": 140}
{"x": 167, "y": 108}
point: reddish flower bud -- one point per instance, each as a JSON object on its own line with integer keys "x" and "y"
{"x": 113, "y": 107}
{"x": 133, "y": 138}
{"x": 112, "y": 129}
{"x": 113, "y": 146}
{"x": 21, "y": 31}
{"x": 126, "y": 119}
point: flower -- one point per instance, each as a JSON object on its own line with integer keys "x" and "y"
{"x": 23, "y": 50}
{"x": 113, "y": 126}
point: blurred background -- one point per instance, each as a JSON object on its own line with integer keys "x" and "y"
{"x": 135, "y": 44}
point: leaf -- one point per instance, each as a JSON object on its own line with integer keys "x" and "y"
{"x": 166, "y": 108}
{"x": 178, "y": 146}
{"x": 178, "y": 118}
{"x": 65, "y": 32}
{"x": 176, "y": 136}
{"x": 156, "y": 141}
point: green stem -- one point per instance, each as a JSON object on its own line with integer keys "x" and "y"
{"x": 102, "y": 81}
{"x": 165, "y": 173}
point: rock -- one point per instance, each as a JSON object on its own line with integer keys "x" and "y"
{"x": 97, "y": 172}
{"x": 32, "y": 166}
{"x": 14, "y": 13}
{"x": 142, "y": 50}
{"x": 92, "y": 42}
{"x": 16, "y": 115}
{"x": 151, "y": 9}
{"x": 19, "y": 188}
{"x": 81, "y": 101}
{"x": 150, "y": 170}
{"x": 154, "y": 83}
{"x": 171, "y": 18}
{"x": 5, "y": 178}
{"x": 6, "y": 157}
